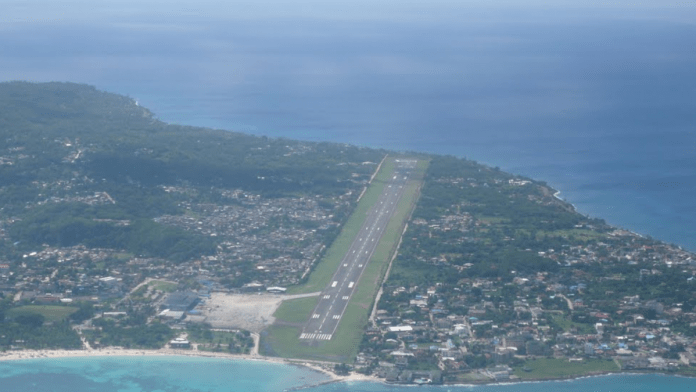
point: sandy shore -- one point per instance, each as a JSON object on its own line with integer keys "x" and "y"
{"x": 116, "y": 351}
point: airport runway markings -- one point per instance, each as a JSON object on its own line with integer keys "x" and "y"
{"x": 371, "y": 231}
{"x": 317, "y": 336}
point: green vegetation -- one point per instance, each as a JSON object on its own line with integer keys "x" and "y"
{"x": 326, "y": 267}
{"x": 296, "y": 310}
{"x": 282, "y": 338}
{"x": 161, "y": 285}
{"x": 544, "y": 368}
{"x": 48, "y": 312}
{"x": 74, "y": 141}
{"x": 220, "y": 341}
{"x": 565, "y": 324}
{"x": 505, "y": 221}
{"x": 138, "y": 294}
{"x": 25, "y": 333}
{"x": 112, "y": 333}
{"x": 29, "y": 327}
{"x": 70, "y": 224}
{"x": 95, "y": 186}
{"x": 98, "y": 195}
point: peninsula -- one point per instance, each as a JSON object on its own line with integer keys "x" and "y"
{"x": 121, "y": 234}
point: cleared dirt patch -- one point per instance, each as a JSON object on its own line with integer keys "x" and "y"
{"x": 251, "y": 312}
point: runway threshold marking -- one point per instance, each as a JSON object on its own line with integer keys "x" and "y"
{"x": 317, "y": 336}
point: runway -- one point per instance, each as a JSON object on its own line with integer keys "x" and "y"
{"x": 333, "y": 301}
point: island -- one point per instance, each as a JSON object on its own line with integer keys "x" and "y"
{"x": 122, "y": 234}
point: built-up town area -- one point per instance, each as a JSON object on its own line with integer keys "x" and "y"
{"x": 266, "y": 243}
{"x": 464, "y": 328}
{"x": 477, "y": 329}
{"x": 495, "y": 277}
{"x": 619, "y": 301}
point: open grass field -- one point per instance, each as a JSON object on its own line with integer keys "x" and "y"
{"x": 322, "y": 273}
{"x": 296, "y": 310}
{"x": 565, "y": 323}
{"x": 374, "y": 273}
{"x": 161, "y": 285}
{"x": 50, "y": 312}
{"x": 559, "y": 368}
{"x": 281, "y": 339}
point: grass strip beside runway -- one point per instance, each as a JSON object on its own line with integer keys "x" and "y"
{"x": 296, "y": 310}
{"x": 320, "y": 277}
{"x": 374, "y": 273}
{"x": 281, "y": 339}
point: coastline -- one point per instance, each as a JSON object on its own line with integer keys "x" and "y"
{"x": 121, "y": 352}
{"x": 320, "y": 367}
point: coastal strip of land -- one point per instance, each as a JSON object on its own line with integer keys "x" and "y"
{"x": 325, "y": 368}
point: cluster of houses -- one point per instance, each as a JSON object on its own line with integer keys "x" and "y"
{"x": 13, "y": 155}
{"x": 481, "y": 327}
{"x": 272, "y": 241}
{"x": 265, "y": 243}
{"x": 53, "y": 273}
{"x": 427, "y": 333}
{"x": 477, "y": 328}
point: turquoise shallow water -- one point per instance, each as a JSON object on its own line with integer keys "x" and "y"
{"x": 186, "y": 374}
{"x": 139, "y": 374}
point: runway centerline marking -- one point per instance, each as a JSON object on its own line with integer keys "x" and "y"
{"x": 345, "y": 279}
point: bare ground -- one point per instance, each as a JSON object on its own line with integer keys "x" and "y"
{"x": 251, "y": 312}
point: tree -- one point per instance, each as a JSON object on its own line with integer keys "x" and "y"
{"x": 341, "y": 369}
{"x": 31, "y": 320}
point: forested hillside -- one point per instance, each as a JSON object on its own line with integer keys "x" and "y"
{"x": 73, "y": 160}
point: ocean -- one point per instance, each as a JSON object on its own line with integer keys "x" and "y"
{"x": 186, "y": 374}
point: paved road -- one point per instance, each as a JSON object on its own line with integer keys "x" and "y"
{"x": 333, "y": 300}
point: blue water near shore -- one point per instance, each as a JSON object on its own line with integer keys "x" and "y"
{"x": 186, "y": 374}
{"x": 155, "y": 373}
